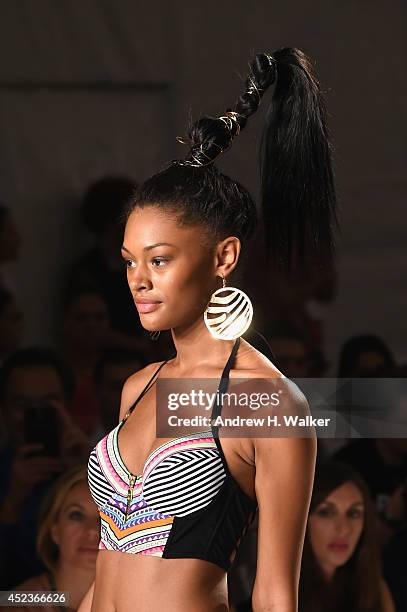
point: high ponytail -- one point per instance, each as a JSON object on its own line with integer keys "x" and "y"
{"x": 298, "y": 196}
{"x": 209, "y": 136}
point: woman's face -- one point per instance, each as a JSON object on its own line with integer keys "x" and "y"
{"x": 170, "y": 269}
{"x": 76, "y": 531}
{"x": 335, "y": 526}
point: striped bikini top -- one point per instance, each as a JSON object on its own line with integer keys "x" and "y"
{"x": 185, "y": 504}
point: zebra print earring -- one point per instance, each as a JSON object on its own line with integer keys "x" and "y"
{"x": 232, "y": 317}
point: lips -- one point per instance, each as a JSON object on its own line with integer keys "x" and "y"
{"x": 144, "y": 305}
{"x": 338, "y": 546}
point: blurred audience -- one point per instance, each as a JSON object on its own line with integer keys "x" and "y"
{"x": 39, "y": 441}
{"x": 383, "y": 464}
{"x": 291, "y": 353}
{"x": 11, "y": 324}
{"x": 67, "y": 542}
{"x": 85, "y": 331}
{"x": 10, "y": 240}
{"x": 86, "y": 335}
{"x": 341, "y": 568}
{"x": 362, "y": 356}
{"x": 395, "y": 569}
{"x": 110, "y": 373}
{"x": 366, "y": 356}
{"x": 297, "y": 300}
{"x": 103, "y": 210}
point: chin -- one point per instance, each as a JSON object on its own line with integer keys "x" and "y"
{"x": 161, "y": 321}
{"x": 151, "y": 326}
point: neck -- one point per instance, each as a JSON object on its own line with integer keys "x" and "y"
{"x": 196, "y": 347}
{"x": 75, "y": 580}
{"x": 328, "y": 571}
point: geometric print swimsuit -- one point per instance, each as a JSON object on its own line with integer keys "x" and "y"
{"x": 184, "y": 504}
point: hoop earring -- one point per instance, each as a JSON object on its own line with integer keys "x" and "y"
{"x": 154, "y": 335}
{"x": 234, "y": 313}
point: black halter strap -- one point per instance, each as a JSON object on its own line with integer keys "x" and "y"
{"x": 223, "y": 384}
{"x": 224, "y": 381}
{"x": 146, "y": 388}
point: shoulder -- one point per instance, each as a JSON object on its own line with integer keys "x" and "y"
{"x": 134, "y": 385}
{"x": 255, "y": 371}
{"x": 257, "y": 375}
{"x": 387, "y": 599}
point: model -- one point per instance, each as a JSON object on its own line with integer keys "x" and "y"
{"x": 173, "y": 511}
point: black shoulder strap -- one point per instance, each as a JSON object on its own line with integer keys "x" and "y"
{"x": 146, "y": 388}
{"x": 224, "y": 380}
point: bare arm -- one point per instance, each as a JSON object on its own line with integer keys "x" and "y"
{"x": 284, "y": 478}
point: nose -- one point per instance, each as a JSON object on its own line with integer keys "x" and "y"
{"x": 139, "y": 278}
{"x": 343, "y": 526}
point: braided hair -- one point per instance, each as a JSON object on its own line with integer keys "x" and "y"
{"x": 298, "y": 203}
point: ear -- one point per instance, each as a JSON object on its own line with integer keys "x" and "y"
{"x": 227, "y": 255}
{"x": 54, "y": 534}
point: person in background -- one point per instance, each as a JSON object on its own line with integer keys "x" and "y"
{"x": 32, "y": 381}
{"x": 341, "y": 567}
{"x": 382, "y": 462}
{"x": 366, "y": 356}
{"x": 84, "y": 330}
{"x": 291, "y": 353}
{"x": 10, "y": 242}
{"x": 110, "y": 373}
{"x": 361, "y": 356}
{"x": 11, "y": 324}
{"x": 102, "y": 209}
{"x": 86, "y": 335}
{"x": 67, "y": 542}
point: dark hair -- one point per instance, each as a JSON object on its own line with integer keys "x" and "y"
{"x": 355, "y": 586}
{"x": 298, "y": 196}
{"x": 104, "y": 202}
{"x": 355, "y": 346}
{"x": 36, "y": 356}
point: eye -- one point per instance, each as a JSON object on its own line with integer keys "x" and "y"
{"x": 355, "y": 513}
{"x": 157, "y": 261}
{"x": 325, "y": 512}
{"x": 75, "y": 515}
{"x": 128, "y": 263}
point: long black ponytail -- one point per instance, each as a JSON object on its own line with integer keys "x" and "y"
{"x": 298, "y": 195}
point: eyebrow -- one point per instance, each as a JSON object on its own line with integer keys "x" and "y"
{"x": 75, "y": 504}
{"x": 151, "y": 246}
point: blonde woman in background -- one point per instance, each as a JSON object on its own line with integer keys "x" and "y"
{"x": 67, "y": 542}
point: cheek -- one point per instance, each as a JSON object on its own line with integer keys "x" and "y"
{"x": 320, "y": 532}
{"x": 188, "y": 286}
{"x": 357, "y": 528}
{"x": 68, "y": 534}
